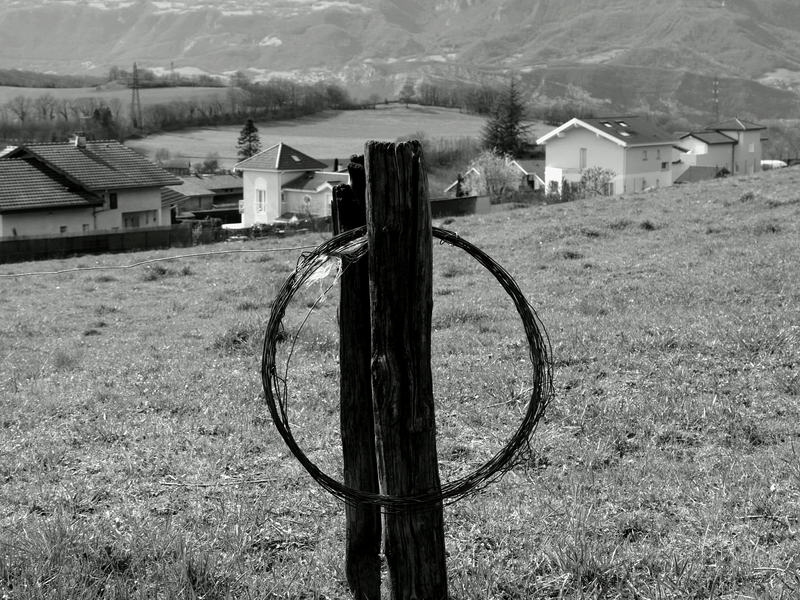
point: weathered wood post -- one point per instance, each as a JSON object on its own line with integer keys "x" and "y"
{"x": 363, "y": 522}
{"x": 399, "y": 239}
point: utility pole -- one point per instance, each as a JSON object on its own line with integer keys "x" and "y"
{"x": 715, "y": 98}
{"x": 136, "y": 103}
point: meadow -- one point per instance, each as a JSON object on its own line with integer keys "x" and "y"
{"x": 326, "y": 135}
{"x": 138, "y": 458}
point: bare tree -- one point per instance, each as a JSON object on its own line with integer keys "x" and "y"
{"x": 45, "y": 106}
{"x": 20, "y": 106}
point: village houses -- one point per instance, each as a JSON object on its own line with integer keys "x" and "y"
{"x": 78, "y": 187}
{"x": 638, "y": 152}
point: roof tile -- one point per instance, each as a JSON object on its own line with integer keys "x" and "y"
{"x": 30, "y": 185}
{"x": 281, "y": 157}
{"x": 99, "y": 166}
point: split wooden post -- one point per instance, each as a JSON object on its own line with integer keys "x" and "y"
{"x": 400, "y": 247}
{"x": 363, "y": 529}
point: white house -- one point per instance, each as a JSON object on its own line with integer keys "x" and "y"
{"x": 636, "y": 150}
{"x": 734, "y": 145}
{"x": 281, "y": 180}
{"x": 79, "y": 186}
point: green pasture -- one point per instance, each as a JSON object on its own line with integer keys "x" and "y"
{"x": 138, "y": 458}
{"x": 325, "y": 135}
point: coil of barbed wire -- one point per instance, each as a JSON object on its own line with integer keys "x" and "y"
{"x": 349, "y": 247}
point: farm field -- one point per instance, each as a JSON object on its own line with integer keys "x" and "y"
{"x": 138, "y": 458}
{"x": 122, "y": 94}
{"x": 327, "y": 135}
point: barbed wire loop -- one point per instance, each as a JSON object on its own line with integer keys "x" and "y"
{"x": 349, "y": 247}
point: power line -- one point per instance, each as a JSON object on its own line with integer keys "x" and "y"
{"x": 145, "y": 262}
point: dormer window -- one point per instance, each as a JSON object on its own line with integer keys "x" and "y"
{"x": 624, "y": 134}
{"x": 622, "y": 124}
{"x": 606, "y": 124}
{"x": 295, "y": 158}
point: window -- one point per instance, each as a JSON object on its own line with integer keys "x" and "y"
{"x": 644, "y": 184}
{"x": 608, "y": 188}
{"x": 261, "y": 201}
{"x": 664, "y": 166}
{"x": 644, "y": 154}
{"x": 112, "y": 201}
{"x": 62, "y": 229}
{"x": 85, "y": 228}
{"x": 606, "y": 124}
{"x": 622, "y": 124}
{"x": 583, "y": 158}
{"x": 658, "y": 154}
{"x": 752, "y": 147}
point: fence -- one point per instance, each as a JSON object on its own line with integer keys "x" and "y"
{"x": 39, "y": 247}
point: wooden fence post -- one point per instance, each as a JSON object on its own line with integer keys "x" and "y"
{"x": 363, "y": 529}
{"x": 400, "y": 246}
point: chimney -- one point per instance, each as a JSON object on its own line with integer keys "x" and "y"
{"x": 79, "y": 140}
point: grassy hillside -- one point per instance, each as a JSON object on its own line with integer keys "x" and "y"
{"x": 138, "y": 459}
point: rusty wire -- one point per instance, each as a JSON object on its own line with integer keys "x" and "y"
{"x": 349, "y": 247}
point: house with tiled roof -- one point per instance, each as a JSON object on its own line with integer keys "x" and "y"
{"x": 187, "y": 200}
{"x": 635, "y": 149}
{"x": 101, "y": 185}
{"x": 281, "y": 180}
{"x": 734, "y": 145}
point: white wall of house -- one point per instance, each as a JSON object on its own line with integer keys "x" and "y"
{"x": 318, "y": 203}
{"x": 707, "y": 155}
{"x": 747, "y": 153}
{"x": 139, "y": 205}
{"x": 276, "y": 201}
{"x": 647, "y": 166}
{"x": 578, "y": 149}
{"x": 268, "y": 183}
{"x": 55, "y": 222}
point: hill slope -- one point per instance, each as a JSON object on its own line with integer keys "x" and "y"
{"x": 367, "y": 42}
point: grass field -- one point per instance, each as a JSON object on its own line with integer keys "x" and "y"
{"x": 138, "y": 459}
{"x": 326, "y": 135}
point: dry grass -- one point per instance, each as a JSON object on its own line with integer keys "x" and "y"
{"x": 139, "y": 460}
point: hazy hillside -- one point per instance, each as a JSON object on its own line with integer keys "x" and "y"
{"x": 371, "y": 42}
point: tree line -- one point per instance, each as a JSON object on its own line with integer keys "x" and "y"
{"x": 48, "y": 118}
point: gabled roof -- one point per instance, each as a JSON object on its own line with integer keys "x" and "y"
{"x": 694, "y": 174}
{"x": 531, "y": 167}
{"x": 220, "y": 182}
{"x": 735, "y": 125}
{"x": 281, "y": 157}
{"x": 710, "y": 137}
{"x": 98, "y": 166}
{"x": 625, "y": 131}
{"x": 171, "y": 196}
{"x": 315, "y": 181}
{"x": 192, "y": 187}
{"x": 29, "y": 185}
{"x": 455, "y": 183}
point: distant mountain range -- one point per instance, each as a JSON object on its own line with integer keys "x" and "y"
{"x": 613, "y": 55}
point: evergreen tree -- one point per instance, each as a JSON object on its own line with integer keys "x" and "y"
{"x": 249, "y": 141}
{"x": 504, "y": 132}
